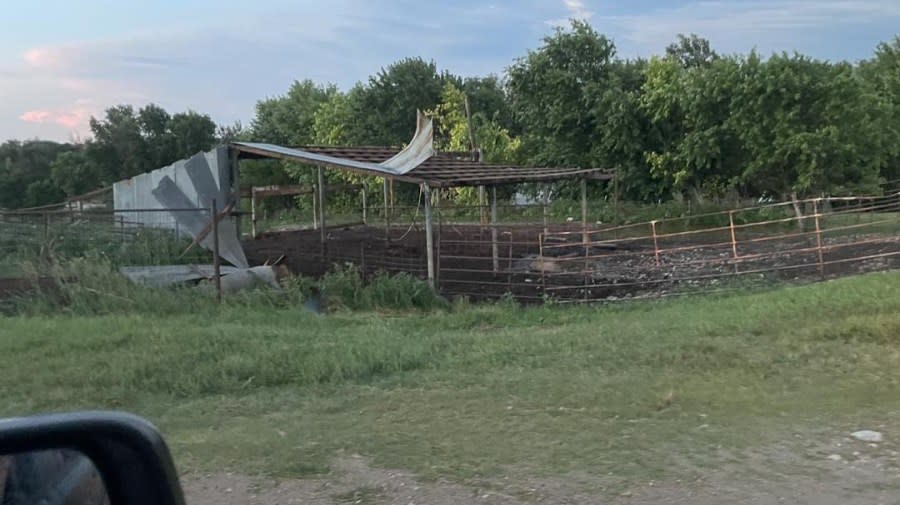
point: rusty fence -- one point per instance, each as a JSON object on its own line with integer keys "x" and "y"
{"x": 812, "y": 239}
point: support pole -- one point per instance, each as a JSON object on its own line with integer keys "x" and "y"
{"x": 495, "y": 253}
{"x": 365, "y": 209}
{"x": 616, "y": 198}
{"x": 321, "y": 188}
{"x": 655, "y": 243}
{"x": 429, "y": 235}
{"x": 816, "y": 210}
{"x": 236, "y": 190}
{"x": 545, "y": 201}
{"x": 387, "y": 213}
{"x": 734, "y": 252}
{"x": 253, "y": 212}
{"x": 482, "y": 205}
{"x": 584, "y": 210}
{"x": 315, "y": 207}
{"x": 217, "y": 263}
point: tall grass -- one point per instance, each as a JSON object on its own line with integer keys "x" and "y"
{"x": 92, "y": 286}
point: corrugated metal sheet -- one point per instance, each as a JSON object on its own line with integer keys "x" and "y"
{"x": 419, "y": 149}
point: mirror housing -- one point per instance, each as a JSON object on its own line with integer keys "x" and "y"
{"x": 128, "y": 451}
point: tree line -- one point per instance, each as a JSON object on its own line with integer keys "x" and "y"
{"x": 687, "y": 123}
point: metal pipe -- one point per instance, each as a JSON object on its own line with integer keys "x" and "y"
{"x": 429, "y": 235}
{"x": 217, "y": 263}
{"x": 495, "y": 253}
{"x": 253, "y": 212}
{"x": 387, "y": 214}
{"x": 321, "y": 188}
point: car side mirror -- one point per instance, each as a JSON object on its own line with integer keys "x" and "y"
{"x": 85, "y": 458}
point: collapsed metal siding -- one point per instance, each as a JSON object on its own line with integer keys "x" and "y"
{"x": 136, "y": 193}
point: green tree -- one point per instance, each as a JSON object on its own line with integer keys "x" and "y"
{"x": 289, "y": 119}
{"x": 691, "y": 51}
{"x": 881, "y": 75}
{"x": 383, "y": 111}
{"x": 25, "y": 170}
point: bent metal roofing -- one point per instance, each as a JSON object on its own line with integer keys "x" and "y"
{"x": 443, "y": 169}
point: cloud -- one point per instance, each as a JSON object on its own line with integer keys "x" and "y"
{"x": 43, "y": 57}
{"x": 577, "y": 9}
{"x": 74, "y": 118}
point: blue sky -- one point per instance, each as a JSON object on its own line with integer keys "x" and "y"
{"x": 63, "y": 61}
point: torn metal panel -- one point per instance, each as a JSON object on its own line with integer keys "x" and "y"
{"x": 172, "y": 197}
{"x": 274, "y": 151}
{"x": 419, "y": 150}
{"x": 167, "y": 275}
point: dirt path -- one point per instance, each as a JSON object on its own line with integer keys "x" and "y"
{"x": 842, "y": 471}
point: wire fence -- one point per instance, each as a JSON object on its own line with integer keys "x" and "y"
{"x": 42, "y": 237}
{"x": 522, "y": 251}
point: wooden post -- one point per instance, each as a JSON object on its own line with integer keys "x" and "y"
{"x": 321, "y": 188}
{"x": 541, "y": 259}
{"x": 819, "y": 237}
{"x": 495, "y": 253}
{"x": 655, "y": 243}
{"x": 429, "y": 235}
{"x": 253, "y": 212}
{"x": 365, "y": 210}
{"x": 217, "y": 263}
{"x": 387, "y": 214}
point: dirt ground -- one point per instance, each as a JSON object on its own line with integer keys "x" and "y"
{"x": 567, "y": 271}
{"x": 840, "y": 471}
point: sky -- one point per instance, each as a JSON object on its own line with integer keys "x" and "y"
{"x": 63, "y": 61}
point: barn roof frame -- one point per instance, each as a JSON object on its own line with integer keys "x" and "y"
{"x": 440, "y": 170}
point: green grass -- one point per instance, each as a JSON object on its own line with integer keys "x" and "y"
{"x": 628, "y": 392}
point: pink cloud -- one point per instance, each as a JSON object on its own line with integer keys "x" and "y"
{"x": 76, "y": 117}
{"x": 43, "y": 56}
{"x": 36, "y": 116}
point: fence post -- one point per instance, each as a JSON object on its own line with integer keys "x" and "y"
{"x": 655, "y": 243}
{"x": 734, "y": 252}
{"x": 217, "y": 263}
{"x": 819, "y": 237}
{"x": 253, "y": 212}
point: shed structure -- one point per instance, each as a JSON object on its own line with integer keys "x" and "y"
{"x": 418, "y": 165}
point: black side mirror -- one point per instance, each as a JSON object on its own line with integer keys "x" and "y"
{"x": 96, "y": 458}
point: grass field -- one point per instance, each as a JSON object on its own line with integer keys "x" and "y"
{"x": 628, "y": 392}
